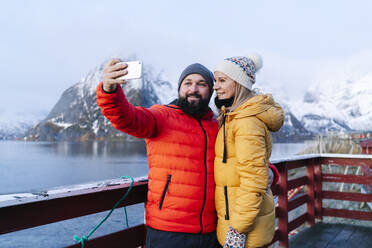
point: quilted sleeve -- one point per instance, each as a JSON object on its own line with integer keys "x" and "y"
{"x": 137, "y": 121}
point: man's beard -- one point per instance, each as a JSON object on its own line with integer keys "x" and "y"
{"x": 195, "y": 109}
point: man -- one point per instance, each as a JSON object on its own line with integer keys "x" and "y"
{"x": 180, "y": 140}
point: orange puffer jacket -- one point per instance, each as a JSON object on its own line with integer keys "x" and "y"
{"x": 180, "y": 152}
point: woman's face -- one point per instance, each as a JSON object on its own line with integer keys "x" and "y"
{"x": 224, "y": 86}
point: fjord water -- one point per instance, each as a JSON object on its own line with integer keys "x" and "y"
{"x": 38, "y": 166}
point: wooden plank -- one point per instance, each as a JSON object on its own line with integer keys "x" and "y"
{"x": 277, "y": 212}
{"x": 295, "y": 203}
{"x": 283, "y": 206}
{"x": 63, "y": 207}
{"x": 318, "y": 188}
{"x": 297, "y": 222}
{"x": 340, "y": 178}
{"x": 132, "y": 238}
{"x": 295, "y": 183}
{"x": 348, "y": 214}
{"x": 347, "y": 196}
{"x": 347, "y": 161}
{"x": 298, "y": 164}
{"x": 275, "y": 189}
{"x": 311, "y": 193}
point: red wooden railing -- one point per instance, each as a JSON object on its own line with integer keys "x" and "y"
{"x": 366, "y": 146}
{"x": 17, "y": 215}
{"x": 313, "y": 198}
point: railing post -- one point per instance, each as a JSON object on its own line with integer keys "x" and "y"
{"x": 283, "y": 205}
{"x": 310, "y": 193}
{"x": 318, "y": 188}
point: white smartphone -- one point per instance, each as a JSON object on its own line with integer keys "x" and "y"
{"x": 134, "y": 70}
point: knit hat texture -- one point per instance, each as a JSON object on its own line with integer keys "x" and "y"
{"x": 241, "y": 69}
{"x": 197, "y": 69}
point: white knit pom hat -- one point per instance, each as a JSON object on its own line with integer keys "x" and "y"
{"x": 241, "y": 69}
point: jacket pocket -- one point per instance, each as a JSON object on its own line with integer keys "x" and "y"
{"x": 227, "y": 217}
{"x": 165, "y": 191}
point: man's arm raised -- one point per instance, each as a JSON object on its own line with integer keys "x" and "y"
{"x": 136, "y": 121}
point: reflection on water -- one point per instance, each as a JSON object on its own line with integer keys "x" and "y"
{"x": 284, "y": 150}
{"x": 36, "y": 166}
{"x": 94, "y": 149}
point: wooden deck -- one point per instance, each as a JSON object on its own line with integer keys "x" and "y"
{"x": 323, "y": 235}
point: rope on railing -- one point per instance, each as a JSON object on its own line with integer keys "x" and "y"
{"x": 84, "y": 238}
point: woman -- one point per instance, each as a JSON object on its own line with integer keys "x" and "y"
{"x": 245, "y": 208}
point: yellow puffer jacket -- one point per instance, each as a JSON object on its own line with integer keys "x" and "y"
{"x": 241, "y": 182}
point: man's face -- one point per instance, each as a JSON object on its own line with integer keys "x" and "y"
{"x": 194, "y": 88}
{"x": 194, "y": 94}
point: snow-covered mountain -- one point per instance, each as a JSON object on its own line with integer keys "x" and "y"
{"x": 76, "y": 116}
{"x": 329, "y": 106}
{"x": 337, "y": 106}
{"x": 13, "y": 124}
{"x": 292, "y": 129}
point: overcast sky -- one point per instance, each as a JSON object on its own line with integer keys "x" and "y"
{"x": 47, "y": 46}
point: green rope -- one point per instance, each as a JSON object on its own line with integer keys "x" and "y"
{"x": 83, "y": 239}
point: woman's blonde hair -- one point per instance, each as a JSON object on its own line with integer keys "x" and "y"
{"x": 242, "y": 94}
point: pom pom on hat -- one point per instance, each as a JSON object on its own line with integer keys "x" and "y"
{"x": 242, "y": 69}
{"x": 257, "y": 60}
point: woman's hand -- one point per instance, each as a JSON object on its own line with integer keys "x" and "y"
{"x": 235, "y": 239}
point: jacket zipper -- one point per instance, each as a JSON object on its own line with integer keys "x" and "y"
{"x": 165, "y": 191}
{"x": 227, "y": 217}
{"x": 205, "y": 175}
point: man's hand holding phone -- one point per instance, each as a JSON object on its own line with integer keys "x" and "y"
{"x": 116, "y": 72}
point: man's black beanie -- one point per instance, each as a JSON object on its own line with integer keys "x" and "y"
{"x": 197, "y": 69}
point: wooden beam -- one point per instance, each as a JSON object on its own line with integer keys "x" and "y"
{"x": 348, "y": 161}
{"x": 340, "y": 178}
{"x": 348, "y": 214}
{"x": 283, "y": 206}
{"x": 295, "y": 183}
{"x": 295, "y": 203}
{"x": 67, "y": 206}
{"x": 310, "y": 206}
{"x": 346, "y": 196}
{"x": 297, "y": 222}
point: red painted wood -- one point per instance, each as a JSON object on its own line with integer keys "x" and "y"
{"x": 295, "y": 203}
{"x": 295, "y": 183}
{"x": 347, "y": 196}
{"x": 277, "y": 212}
{"x": 347, "y": 178}
{"x": 318, "y": 188}
{"x": 311, "y": 194}
{"x": 349, "y": 214}
{"x": 366, "y": 143}
{"x": 297, "y": 163}
{"x": 297, "y": 222}
{"x": 347, "y": 161}
{"x": 275, "y": 189}
{"x": 67, "y": 206}
{"x": 283, "y": 206}
{"x": 130, "y": 238}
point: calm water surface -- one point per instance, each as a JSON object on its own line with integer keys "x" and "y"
{"x": 37, "y": 166}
